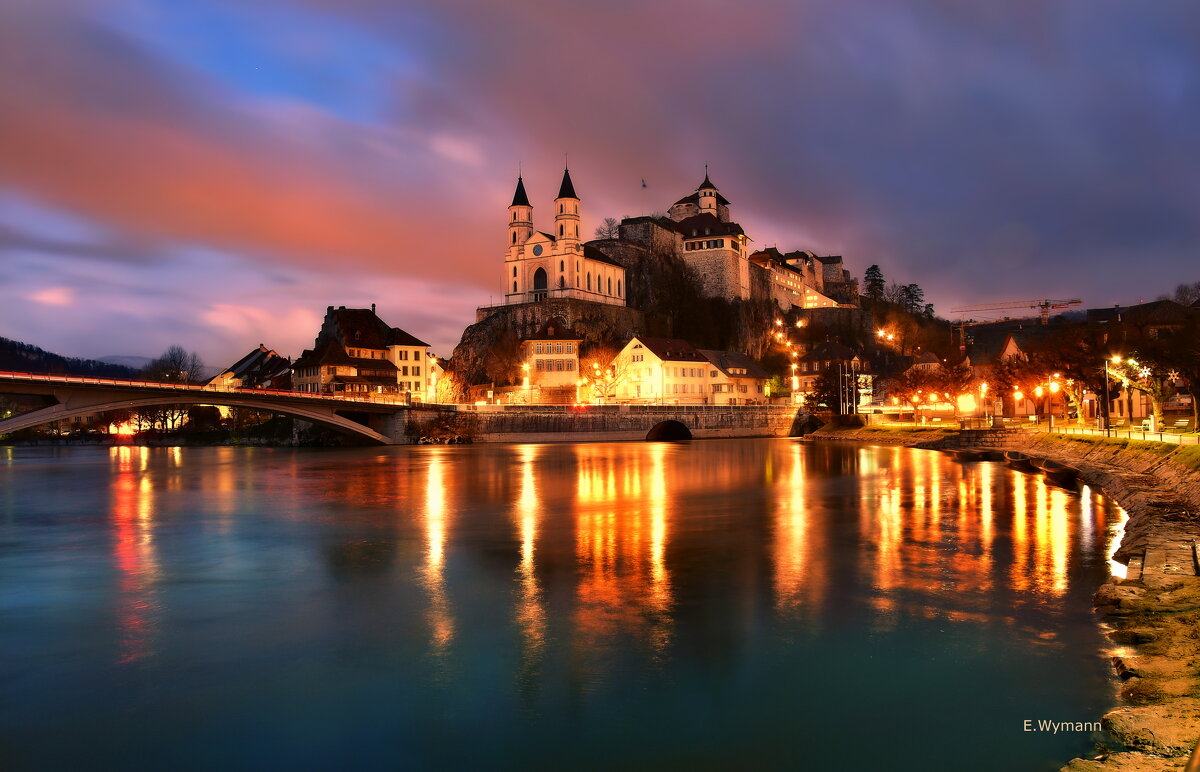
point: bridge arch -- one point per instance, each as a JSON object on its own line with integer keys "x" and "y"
{"x": 313, "y": 413}
{"x": 668, "y": 431}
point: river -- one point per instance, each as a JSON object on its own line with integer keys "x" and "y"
{"x": 731, "y": 604}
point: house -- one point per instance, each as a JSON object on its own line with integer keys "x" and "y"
{"x": 262, "y": 368}
{"x": 550, "y": 358}
{"x": 355, "y": 352}
{"x": 829, "y": 356}
{"x": 663, "y": 370}
{"x": 735, "y": 378}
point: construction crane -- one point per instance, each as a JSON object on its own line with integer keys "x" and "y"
{"x": 1044, "y": 306}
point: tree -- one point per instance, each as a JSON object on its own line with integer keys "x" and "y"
{"x": 873, "y": 283}
{"x": 609, "y": 229}
{"x": 928, "y": 312}
{"x": 912, "y": 297}
{"x": 176, "y": 365}
{"x": 1185, "y": 294}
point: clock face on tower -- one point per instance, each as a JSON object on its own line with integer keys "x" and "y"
{"x": 537, "y": 250}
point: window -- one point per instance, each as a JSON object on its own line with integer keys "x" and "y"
{"x": 537, "y": 348}
{"x": 514, "y": 239}
{"x": 570, "y": 348}
{"x": 416, "y": 371}
{"x": 404, "y": 370}
{"x": 558, "y": 364}
{"x": 514, "y": 272}
{"x": 618, "y": 288}
{"x": 589, "y": 282}
{"x": 514, "y": 286}
{"x": 570, "y": 364}
{"x": 560, "y": 209}
{"x": 562, "y": 266}
{"x": 560, "y": 231}
{"x": 558, "y": 348}
{"x": 610, "y": 285}
{"x": 541, "y": 364}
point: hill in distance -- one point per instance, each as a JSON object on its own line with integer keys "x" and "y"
{"x": 25, "y": 357}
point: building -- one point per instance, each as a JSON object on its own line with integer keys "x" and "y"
{"x": 826, "y": 357}
{"x": 738, "y": 379}
{"x": 673, "y": 372}
{"x": 550, "y": 358}
{"x": 539, "y": 265}
{"x": 357, "y": 353}
{"x": 262, "y": 368}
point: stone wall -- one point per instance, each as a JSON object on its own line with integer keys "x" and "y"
{"x": 553, "y": 423}
{"x": 526, "y": 318}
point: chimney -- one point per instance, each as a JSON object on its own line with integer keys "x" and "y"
{"x": 372, "y": 308}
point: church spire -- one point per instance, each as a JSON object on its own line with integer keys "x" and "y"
{"x": 707, "y": 183}
{"x": 566, "y": 190}
{"x": 520, "y": 198}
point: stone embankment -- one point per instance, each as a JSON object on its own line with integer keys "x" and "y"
{"x": 1153, "y": 615}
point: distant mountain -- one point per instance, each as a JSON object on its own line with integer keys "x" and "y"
{"x": 24, "y": 357}
{"x": 137, "y": 363}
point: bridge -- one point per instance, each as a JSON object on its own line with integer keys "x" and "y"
{"x": 386, "y": 419}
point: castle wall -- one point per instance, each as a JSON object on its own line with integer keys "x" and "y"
{"x": 591, "y": 320}
{"x": 722, "y": 273}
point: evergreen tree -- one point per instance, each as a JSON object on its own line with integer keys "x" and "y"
{"x": 874, "y": 284}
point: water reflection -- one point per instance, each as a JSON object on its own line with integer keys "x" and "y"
{"x": 550, "y": 598}
{"x": 439, "y": 615}
{"x": 132, "y": 513}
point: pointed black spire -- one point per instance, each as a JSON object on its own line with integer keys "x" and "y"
{"x": 520, "y": 198}
{"x": 706, "y": 183}
{"x": 566, "y": 189}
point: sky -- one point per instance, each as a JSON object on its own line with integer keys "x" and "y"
{"x": 215, "y": 173}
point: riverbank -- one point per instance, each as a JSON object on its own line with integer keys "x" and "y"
{"x": 1153, "y": 615}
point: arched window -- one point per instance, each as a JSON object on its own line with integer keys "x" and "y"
{"x": 562, "y": 266}
{"x": 562, "y": 282}
{"x": 576, "y": 231}
{"x": 514, "y": 272}
{"x": 560, "y": 209}
{"x": 560, "y": 231}
{"x": 514, "y": 286}
{"x": 514, "y": 237}
{"x": 589, "y": 281}
{"x": 618, "y": 288}
{"x": 514, "y": 216}
{"x": 539, "y": 279}
{"x": 610, "y": 285}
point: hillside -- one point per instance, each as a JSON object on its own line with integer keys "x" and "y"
{"x": 24, "y": 357}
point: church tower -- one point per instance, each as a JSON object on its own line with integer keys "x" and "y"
{"x": 566, "y": 214}
{"x": 707, "y": 196}
{"x": 520, "y": 220}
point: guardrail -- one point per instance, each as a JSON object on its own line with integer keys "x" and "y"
{"x": 175, "y": 386}
{"x": 1132, "y": 434}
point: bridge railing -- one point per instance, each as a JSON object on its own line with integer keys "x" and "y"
{"x": 370, "y": 397}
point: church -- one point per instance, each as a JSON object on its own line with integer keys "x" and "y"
{"x": 541, "y": 265}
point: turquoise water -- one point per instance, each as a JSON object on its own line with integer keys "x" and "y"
{"x": 749, "y": 604}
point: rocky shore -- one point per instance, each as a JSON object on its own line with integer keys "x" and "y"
{"x": 1153, "y": 615}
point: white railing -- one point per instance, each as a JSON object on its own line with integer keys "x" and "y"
{"x": 387, "y": 399}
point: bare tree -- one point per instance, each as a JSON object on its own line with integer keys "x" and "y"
{"x": 609, "y": 229}
{"x": 176, "y": 364}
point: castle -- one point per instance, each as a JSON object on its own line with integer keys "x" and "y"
{"x": 540, "y": 265}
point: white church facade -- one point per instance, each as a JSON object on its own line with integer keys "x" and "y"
{"x": 540, "y": 265}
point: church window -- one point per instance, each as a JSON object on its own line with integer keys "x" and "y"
{"x": 560, "y": 231}
{"x": 514, "y": 286}
{"x": 514, "y": 237}
{"x": 576, "y": 231}
{"x": 589, "y": 282}
{"x": 514, "y": 216}
{"x": 560, "y": 209}
{"x": 561, "y": 282}
{"x": 610, "y": 285}
{"x": 514, "y": 272}
{"x": 618, "y": 288}
{"x": 562, "y": 266}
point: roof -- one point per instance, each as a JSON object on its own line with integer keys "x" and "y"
{"x": 671, "y": 349}
{"x": 519, "y": 197}
{"x": 566, "y": 189}
{"x": 724, "y": 360}
{"x": 1156, "y": 311}
{"x": 327, "y": 352}
{"x": 706, "y": 183}
{"x": 830, "y": 351}
{"x": 360, "y": 327}
{"x": 592, "y": 253}
{"x": 707, "y": 224}
{"x": 555, "y": 329}
{"x": 550, "y": 236}
{"x": 829, "y": 259}
{"x": 694, "y": 198}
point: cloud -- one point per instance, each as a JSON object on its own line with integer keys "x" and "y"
{"x": 54, "y": 296}
{"x": 986, "y": 151}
